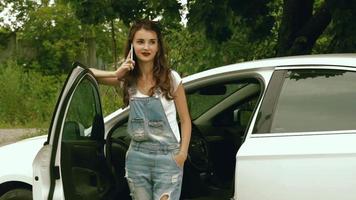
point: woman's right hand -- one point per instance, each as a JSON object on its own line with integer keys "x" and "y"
{"x": 127, "y": 65}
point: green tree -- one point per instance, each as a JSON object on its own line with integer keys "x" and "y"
{"x": 218, "y": 18}
{"x": 296, "y": 28}
{"x": 109, "y": 11}
{"x": 17, "y": 15}
{"x": 55, "y": 36}
{"x": 306, "y": 22}
{"x": 28, "y": 97}
{"x": 98, "y": 11}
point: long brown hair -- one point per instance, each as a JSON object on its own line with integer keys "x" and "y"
{"x": 161, "y": 71}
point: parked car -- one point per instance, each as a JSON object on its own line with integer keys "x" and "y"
{"x": 273, "y": 129}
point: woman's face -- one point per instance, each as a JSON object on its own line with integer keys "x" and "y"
{"x": 145, "y": 44}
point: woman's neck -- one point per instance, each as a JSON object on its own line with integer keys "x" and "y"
{"x": 146, "y": 70}
{"x": 145, "y": 80}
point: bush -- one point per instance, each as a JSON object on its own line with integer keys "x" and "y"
{"x": 111, "y": 99}
{"x": 27, "y": 98}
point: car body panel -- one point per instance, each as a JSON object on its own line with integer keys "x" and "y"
{"x": 295, "y": 167}
{"x": 19, "y": 157}
{"x": 41, "y": 174}
{"x": 44, "y": 184}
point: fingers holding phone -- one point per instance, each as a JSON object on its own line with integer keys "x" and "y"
{"x": 130, "y": 58}
{"x": 131, "y": 52}
{"x": 129, "y": 63}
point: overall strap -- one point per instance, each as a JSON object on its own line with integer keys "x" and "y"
{"x": 157, "y": 92}
{"x": 132, "y": 89}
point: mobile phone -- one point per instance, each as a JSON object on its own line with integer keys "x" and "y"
{"x": 131, "y": 52}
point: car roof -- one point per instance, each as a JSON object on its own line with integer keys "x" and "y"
{"x": 346, "y": 60}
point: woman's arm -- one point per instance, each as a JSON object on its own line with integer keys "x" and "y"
{"x": 106, "y": 77}
{"x": 113, "y": 77}
{"x": 185, "y": 124}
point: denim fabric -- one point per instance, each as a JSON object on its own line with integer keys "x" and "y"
{"x": 151, "y": 170}
{"x": 148, "y": 121}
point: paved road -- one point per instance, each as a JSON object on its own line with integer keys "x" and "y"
{"x": 8, "y": 136}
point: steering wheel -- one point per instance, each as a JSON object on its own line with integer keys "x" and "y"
{"x": 198, "y": 153}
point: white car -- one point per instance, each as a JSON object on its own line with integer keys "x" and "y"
{"x": 274, "y": 129}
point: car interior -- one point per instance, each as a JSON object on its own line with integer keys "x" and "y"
{"x": 220, "y": 113}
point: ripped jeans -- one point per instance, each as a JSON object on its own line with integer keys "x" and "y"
{"x": 152, "y": 173}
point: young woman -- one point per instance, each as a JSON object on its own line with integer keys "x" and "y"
{"x": 155, "y": 159}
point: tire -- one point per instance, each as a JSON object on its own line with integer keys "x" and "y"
{"x": 17, "y": 194}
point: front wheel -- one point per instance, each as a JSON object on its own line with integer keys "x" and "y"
{"x": 17, "y": 194}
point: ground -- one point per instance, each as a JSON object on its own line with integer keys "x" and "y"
{"x": 8, "y": 136}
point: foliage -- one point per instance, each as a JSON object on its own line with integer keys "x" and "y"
{"x": 104, "y": 41}
{"x": 183, "y": 48}
{"x": 218, "y": 32}
{"x": 18, "y": 11}
{"x": 27, "y": 98}
{"x": 99, "y": 11}
{"x": 56, "y": 36}
{"x": 4, "y": 38}
{"x": 297, "y": 26}
{"x": 342, "y": 30}
{"x": 111, "y": 99}
{"x": 193, "y": 51}
{"x": 218, "y": 18}
{"x": 107, "y": 11}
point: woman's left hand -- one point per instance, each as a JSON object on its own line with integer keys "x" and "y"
{"x": 180, "y": 159}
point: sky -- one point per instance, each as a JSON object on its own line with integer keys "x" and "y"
{"x": 4, "y": 16}
{"x": 184, "y": 12}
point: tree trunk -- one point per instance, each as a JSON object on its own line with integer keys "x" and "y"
{"x": 295, "y": 14}
{"x": 113, "y": 42}
{"x": 299, "y": 28}
{"x": 307, "y": 36}
{"x": 12, "y": 45}
{"x": 92, "y": 50}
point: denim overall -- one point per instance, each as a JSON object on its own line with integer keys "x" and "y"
{"x": 151, "y": 171}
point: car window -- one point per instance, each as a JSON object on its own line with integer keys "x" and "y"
{"x": 205, "y": 98}
{"x": 246, "y": 110}
{"x": 238, "y": 114}
{"x": 316, "y": 100}
{"x": 81, "y": 112}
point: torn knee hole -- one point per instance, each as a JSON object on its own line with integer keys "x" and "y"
{"x": 164, "y": 196}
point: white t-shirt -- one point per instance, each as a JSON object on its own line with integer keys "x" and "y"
{"x": 168, "y": 105}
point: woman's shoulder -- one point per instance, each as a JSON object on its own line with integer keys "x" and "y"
{"x": 175, "y": 79}
{"x": 175, "y": 75}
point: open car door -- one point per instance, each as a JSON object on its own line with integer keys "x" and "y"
{"x": 72, "y": 164}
